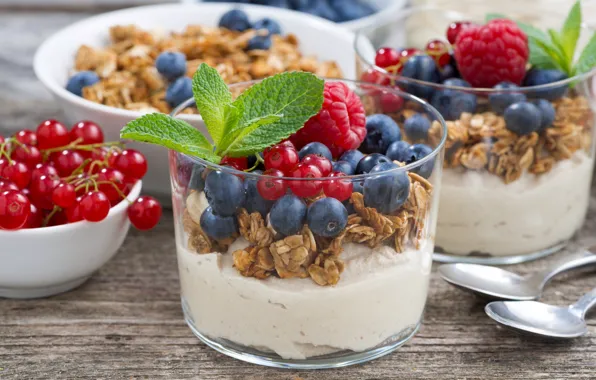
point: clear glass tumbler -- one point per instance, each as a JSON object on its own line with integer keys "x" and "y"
{"x": 268, "y": 283}
{"x": 506, "y": 196}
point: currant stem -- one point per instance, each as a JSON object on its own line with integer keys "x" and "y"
{"x": 47, "y": 219}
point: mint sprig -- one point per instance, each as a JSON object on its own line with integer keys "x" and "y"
{"x": 261, "y": 116}
{"x": 557, "y": 49}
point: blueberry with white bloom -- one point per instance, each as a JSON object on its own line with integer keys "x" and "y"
{"x": 82, "y": 79}
{"x": 171, "y": 64}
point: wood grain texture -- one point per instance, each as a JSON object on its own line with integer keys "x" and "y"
{"x": 126, "y": 322}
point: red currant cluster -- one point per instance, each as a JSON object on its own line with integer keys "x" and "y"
{"x": 282, "y": 160}
{"x": 54, "y": 176}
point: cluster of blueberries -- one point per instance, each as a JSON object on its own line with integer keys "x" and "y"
{"x": 237, "y": 20}
{"x": 333, "y": 10}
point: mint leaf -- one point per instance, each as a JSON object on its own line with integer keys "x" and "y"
{"x": 563, "y": 60}
{"x": 587, "y": 59}
{"x": 539, "y": 58}
{"x": 176, "y": 134}
{"x": 211, "y": 97}
{"x": 294, "y": 96}
{"x": 237, "y": 138}
{"x": 571, "y": 30}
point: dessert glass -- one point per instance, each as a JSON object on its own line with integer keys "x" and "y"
{"x": 304, "y": 300}
{"x": 505, "y": 198}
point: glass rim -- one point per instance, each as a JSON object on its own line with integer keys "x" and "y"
{"x": 439, "y": 86}
{"x": 355, "y": 177}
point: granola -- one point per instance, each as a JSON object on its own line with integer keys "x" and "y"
{"x": 129, "y": 79}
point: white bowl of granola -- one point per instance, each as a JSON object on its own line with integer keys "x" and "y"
{"x": 320, "y": 42}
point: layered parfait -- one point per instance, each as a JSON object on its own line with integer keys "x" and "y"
{"x": 519, "y": 108}
{"x": 299, "y": 235}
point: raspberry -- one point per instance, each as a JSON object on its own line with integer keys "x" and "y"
{"x": 340, "y": 124}
{"x": 493, "y": 53}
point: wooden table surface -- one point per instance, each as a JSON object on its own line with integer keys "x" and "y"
{"x": 126, "y": 322}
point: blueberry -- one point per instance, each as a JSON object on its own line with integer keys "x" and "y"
{"x": 358, "y": 187}
{"x": 449, "y": 71}
{"x": 266, "y": 23}
{"x": 184, "y": 168}
{"x": 351, "y": 9}
{"x": 386, "y": 192}
{"x": 451, "y": 103}
{"x": 421, "y": 67}
{"x": 353, "y": 157}
{"x": 254, "y": 201}
{"x": 501, "y": 100}
{"x": 288, "y": 214}
{"x": 536, "y": 77}
{"x": 416, "y": 127}
{"x": 327, "y": 217}
{"x": 179, "y": 91}
{"x": 319, "y": 8}
{"x": 259, "y": 42}
{"x": 81, "y": 79}
{"x": 381, "y": 131}
{"x": 197, "y": 179}
{"x": 523, "y": 118}
{"x": 367, "y": 163}
{"x": 399, "y": 151}
{"x": 547, "y": 112}
{"x": 171, "y": 64}
{"x": 235, "y": 19}
{"x": 315, "y": 148}
{"x": 225, "y": 192}
{"x": 216, "y": 226}
{"x": 343, "y": 167}
{"x": 418, "y": 152}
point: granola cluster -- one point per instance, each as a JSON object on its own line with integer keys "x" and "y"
{"x": 482, "y": 142}
{"x": 307, "y": 255}
{"x": 129, "y": 79}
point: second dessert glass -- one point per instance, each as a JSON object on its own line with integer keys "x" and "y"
{"x": 505, "y": 197}
{"x": 298, "y": 297}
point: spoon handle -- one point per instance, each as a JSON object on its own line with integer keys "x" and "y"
{"x": 584, "y": 304}
{"x": 577, "y": 260}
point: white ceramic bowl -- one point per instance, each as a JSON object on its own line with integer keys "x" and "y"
{"x": 45, "y": 261}
{"x": 54, "y": 60}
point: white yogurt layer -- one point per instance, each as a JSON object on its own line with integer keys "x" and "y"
{"x": 380, "y": 294}
{"x": 478, "y": 212}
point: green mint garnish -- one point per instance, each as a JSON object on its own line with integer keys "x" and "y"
{"x": 263, "y": 115}
{"x": 556, "y": 50}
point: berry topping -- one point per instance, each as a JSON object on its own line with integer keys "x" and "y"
{"x": 451, "y": 103}
{"x": 225, "y": 192}
{"x": 281, "y": 157}
{"x": 321, "y": 162}
{"x": 307, "y": 188}
{"x": 492, "y": 53}
{"x": 547, "y": 111}
{"x": 499, "y": 101}
{"x": 387, "y": 191}
{"x": 272, "y": 189}
{"x": 416, "y": 127}
{"x": 439, "y": 51}
{"x": 417, "y": 152}
{"x": 197, "y": 178}
{"x": 340, "y": 189}
{"x": 343, "y": 167}
{"x": 171, "y": 64}
{"x": 353, "y": 157}
{"x": 398, "y": 151}
{"x": 340, "y": 124}
{"x": 80, "y": 80}
{"x": 216, "y": 226}
{"x": 287, "y": 215}
{"x": 367, "y": 163}
{"x": 14, "y": 210}
{"x": 235, "y": 19}
{"x": 381, "y": 131}
{"x": 523, "y": 118}
{"x": 327, "y": 217}
{"x": 268, "y": 24}
{"x": 423, "y": 68}
{"x": 536, "y": 77}
{"x": 178, "y": 91}
{"x": 315, "y": 148}
{"x": 454, "y": 28}
{"x": 144, "y": 213}
{"x": 238, "y": 163}
{"x": 259, "y": 42}
{"x": 386, "y": 57}
{"x": 255, "y": 202}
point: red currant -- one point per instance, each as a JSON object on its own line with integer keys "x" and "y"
{"x": 52, "y": 134}
{"x": 407, "y": 54}
{"x": 340, "y": 189}
{"x": 144, "y": 213}
{"x": 95, "y": 206}
{"x": 41, "y": 191}
{"x": 3, "y": 165}
{"x": 307, "y": 188}
{"x": 131, "y": 163}
{"x": 18, "y": 173}
{"x": 238, "y": 163}
{"x": 87, "y": 132}
{"x": 376, "y": 77}
{"x": 67, "y": 161}
{"x": 29, "y": 155}
{"x": 73, "y": 213}
{"x": 1, "y": 140}
{"x": 14, "y": 210}
{"x": 7, "y": 185}
{"x": 35, "y": 219}
{"x": 64, "y": 195}
{"x": 272, "y": 189}
{"x": 287, "y": 143}
{"x": 43, "y": 169}
{"x": 439, "y": 51}
{"x": 26, "y": 137}
{"x": 391, "y": 102}
{"x": 320, "y": 162}
{"x": 386, "y": 57}
{"x": 454, "y": 28}
{"x": 117, "y": 182}
{"x": 281, "y": 157}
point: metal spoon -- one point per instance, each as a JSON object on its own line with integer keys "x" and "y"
{"x": 544, "y": 320}
{"x": 497, "y": 283}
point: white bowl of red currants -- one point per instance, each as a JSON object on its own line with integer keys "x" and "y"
{"x": 67, "y": 199}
